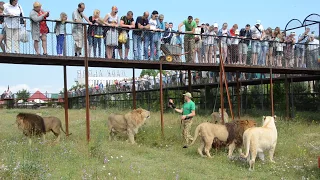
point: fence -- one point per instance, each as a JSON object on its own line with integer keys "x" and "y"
{"x": 302, "y": 96}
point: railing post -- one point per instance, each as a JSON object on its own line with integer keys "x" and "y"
{"x": 86, "y": 63}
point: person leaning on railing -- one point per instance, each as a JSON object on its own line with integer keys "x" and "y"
{"x": 39, "y": 28}
{"x": 77, "y": 29}
{"x": 12, "y": 25}
{"x": 111, "y": 20}
{"x": 313, "y": 47}
{"x": 189, "y": 41}
{"x": 128, "y": 23}
{"x": 60, "y": 29}
{"x": 2, "y": 31}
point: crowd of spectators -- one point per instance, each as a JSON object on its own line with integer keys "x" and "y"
{"x": 268, "y": 46}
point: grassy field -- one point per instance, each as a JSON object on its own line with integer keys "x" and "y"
{"x": 153, "y": 157}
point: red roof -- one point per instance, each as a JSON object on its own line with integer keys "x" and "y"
{"x": 38, "y": 95}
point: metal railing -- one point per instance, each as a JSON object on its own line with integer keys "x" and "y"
{"x": 111, "y": 43}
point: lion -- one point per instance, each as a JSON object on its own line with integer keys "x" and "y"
{"x": 128, "y": 123}
{"x": 53, "y": 124}
{"x": 230, "y": 133}
{"x": 31, "y": 125}
{"x": 216, "y": 117}
{"x": 256, "y": 140}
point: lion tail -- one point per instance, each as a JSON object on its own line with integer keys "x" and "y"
{"x": 196, "y": 134}
{"x": 246, "y": 144}
{"x": 65, "y": 132}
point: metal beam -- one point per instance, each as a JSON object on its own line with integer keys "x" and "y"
{"x": 66, "y": 100}
{"x": 86, "y": 63}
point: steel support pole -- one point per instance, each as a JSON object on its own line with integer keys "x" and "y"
{"x": 271, "y": 93}
{"x": 238, "y": 94}
{"x": 161, "y": 101}
{"x": 66, "y": 102}
{"x": 189, "y": 81}
{"x": 227, "y": 90}
{"x": 86, "y": 63}
{"x": 287, "y": 97}
{"x": 292, "y": 99}
{"x": 134, "y": 93}
{"x": 221, "y": 84}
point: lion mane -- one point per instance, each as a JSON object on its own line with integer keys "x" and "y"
{"x": 31, "y": 124}
{"x": 128, "y": 123}
{"x": 216, "y": 135}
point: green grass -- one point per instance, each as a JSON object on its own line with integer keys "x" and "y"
{"x": 153, "y": 157}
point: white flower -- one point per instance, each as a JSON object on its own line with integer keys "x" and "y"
{"x": 109, "y": 174}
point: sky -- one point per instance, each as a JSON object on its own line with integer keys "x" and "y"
{"x": 49, "y": 79}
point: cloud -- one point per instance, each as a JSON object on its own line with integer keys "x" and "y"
{"x": 43, "y": 88}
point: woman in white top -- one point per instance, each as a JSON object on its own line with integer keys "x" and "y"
{"x": 111, "y": 20}
{"x": 198, "y": 42}
{"x": 12, "y": 25}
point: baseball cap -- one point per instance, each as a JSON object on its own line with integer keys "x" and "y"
{"x": 258, "y": 22}
{"x": 215, "y": 25}
{"x": 36, "y": 4}
{"x": 188, "y": 95}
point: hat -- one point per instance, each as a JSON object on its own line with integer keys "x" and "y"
{"x": 36, "y": 4}
{"x": 258, "y": 22}
{"x": 154, "y": 12}
{"x": 188, "y": 95}
{"x": 161, "y": 16}
{"x": 237, "y": 32}
{"x": 215, "y": 25}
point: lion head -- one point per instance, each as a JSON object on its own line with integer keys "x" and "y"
{"x": 30, "y": 124}
{"x": 269, "y": 121}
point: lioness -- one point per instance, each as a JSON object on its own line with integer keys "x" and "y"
{"x": 259, "y": 139}
{"x": 216, "y": 116}
{"x": 53, "y": 124}
{"x": 128, "y": 123}
{"x": 229, "y": 133}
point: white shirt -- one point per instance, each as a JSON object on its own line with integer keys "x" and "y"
{"x": 197, "y": 30}
{"x": 153, "y": 24}
{"x": 12, "y": 10}
{"x": 313, "y": 45}
{"x": 255, "y": 32}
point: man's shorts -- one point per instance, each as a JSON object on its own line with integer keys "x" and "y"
{"x": 256, "y": 47}
{"x": 243, "y": 48}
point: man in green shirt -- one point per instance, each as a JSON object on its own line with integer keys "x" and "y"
{"x": 188, "y": 112}
{"x": 189, "y": 42}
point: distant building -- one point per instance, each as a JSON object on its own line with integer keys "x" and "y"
{"x": 38, "y": 97}
{"x": 107, "y": 77}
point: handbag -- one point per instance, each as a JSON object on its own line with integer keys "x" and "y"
{"x": 123, "y": 37}
{"x": 24, "y": 38}
{"x": 21, "y": 16}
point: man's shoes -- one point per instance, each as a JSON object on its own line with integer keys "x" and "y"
{"x": 185, "y": 146}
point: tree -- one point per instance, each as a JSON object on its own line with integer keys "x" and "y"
{"x": 23, "y": 94}
{"x": 150, "y": 72}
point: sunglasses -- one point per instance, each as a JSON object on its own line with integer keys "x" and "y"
{"x": 116, "y": 12}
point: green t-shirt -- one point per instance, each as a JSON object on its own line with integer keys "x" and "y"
{"x": 188, "y": 107}
{"x": 189, "y": 27}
